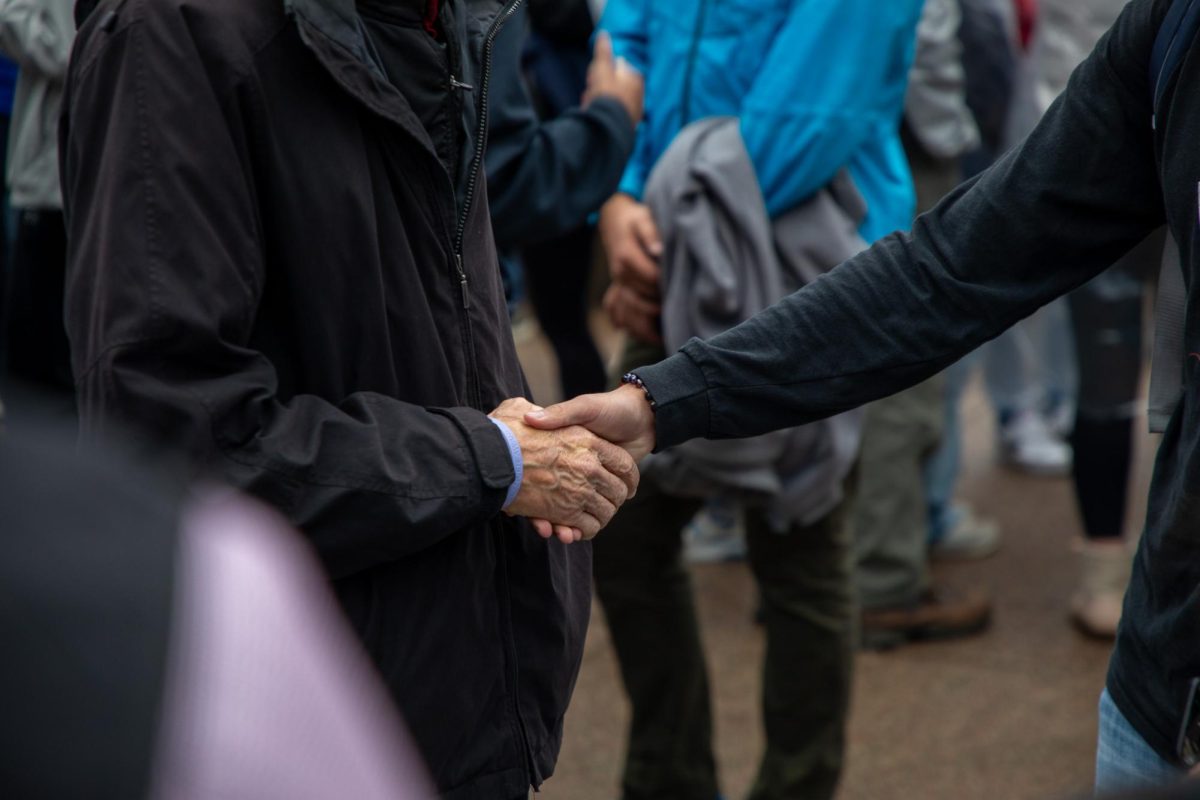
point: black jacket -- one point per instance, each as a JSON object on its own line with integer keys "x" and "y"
{"x": 271, "y": 270}
{"x": 1091, "y": 182}
{"x": 565, "y": 22}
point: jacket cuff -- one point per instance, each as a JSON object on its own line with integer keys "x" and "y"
{"x": 680, "y": 395}
{"x": 489, "y": 448}
{"x": 616, "y": 120}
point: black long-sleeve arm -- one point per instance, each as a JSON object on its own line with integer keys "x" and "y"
{"x": 545, "y": 178}
{"x": 1080, "y": 192}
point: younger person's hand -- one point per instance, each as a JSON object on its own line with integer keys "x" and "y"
{"x": 613, "y": 77}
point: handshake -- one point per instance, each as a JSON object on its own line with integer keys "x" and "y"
{"x": 580, "y": 459}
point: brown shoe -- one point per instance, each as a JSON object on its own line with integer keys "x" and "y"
{"x": 937, "y": 614}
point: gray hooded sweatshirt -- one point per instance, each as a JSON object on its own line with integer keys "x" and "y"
{"x": 725, "y": 259}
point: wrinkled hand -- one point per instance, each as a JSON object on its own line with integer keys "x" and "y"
{"x": 615, "y": 78}
{"x": 622, "y": 416}
{"x": 633, "y": 246}
{"x": 573, "y": 481}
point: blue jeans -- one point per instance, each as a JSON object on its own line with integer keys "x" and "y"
{"x": 1124, "y": 761}
{"x": 941, "y": 468}
{"x": 1032, "y": 364}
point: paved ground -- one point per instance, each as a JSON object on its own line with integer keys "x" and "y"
{"x": 1008, "y": 714}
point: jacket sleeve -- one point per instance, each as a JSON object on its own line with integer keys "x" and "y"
{"x": 562, "y": 21}
{"x": 545, "y": 178}
{"x": 1080, "y": 192}
{"x": 834, "y": 77}
{"x": 627, "y": 22}
{"x": 37, "y": 34}
{"x": 166, "y": 270}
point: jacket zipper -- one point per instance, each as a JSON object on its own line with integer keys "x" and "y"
{"x": 459, "y": 235}
{"x": 686, "y": 105}
{"x": 476, "y": 164}
{"x": 481, "y": 127}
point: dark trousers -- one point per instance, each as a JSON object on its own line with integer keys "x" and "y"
{"x": 556, "y": 275}
{"x": 1106, "y": 318}
{"x": 804, "y": 577}
{"x": 36, "y": 350}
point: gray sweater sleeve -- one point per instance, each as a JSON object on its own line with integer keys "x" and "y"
{"x": 37, "y": 34}
{"x": 1081, "y": 191}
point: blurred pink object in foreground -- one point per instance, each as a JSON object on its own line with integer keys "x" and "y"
{"x": 268, "y": 693}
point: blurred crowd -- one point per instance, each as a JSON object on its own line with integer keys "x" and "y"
{"x": 282, "y": 246}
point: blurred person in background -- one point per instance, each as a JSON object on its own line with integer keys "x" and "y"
{"x": 282, "y": 268}
{"x": 1028, "y": 370}
{"x": 1106, "y": 331}
{"x": 987, "y": 36}
{"x": 553, "y": 163}
{"x": 901, "y": 432}
{"x": 37, "y": 35}
{"x": 815, "y": 92}
{"x": 1109, "y": 163}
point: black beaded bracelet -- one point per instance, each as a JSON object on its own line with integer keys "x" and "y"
{"x": 632, "y": 379}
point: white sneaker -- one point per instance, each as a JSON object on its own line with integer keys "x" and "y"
{"x": 971, "y": 538}
{"x": 717, "y": 533}
{"x": 1060, "y": 419}
{"x": 1027, "y": 444}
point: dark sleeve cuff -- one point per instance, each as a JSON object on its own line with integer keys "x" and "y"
{"x": 680, "y": 394}
{"x": 490, "y": 451}
{"x": 613, "y": 116}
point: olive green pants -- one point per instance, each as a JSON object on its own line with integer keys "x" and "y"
{"x": 804, "y": 577}
{"x": 890, "y": 516}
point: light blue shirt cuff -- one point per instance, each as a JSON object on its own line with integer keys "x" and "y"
{"x": 518, "y": 462}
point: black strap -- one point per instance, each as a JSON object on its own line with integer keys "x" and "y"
{"x": 1171, "y": 45}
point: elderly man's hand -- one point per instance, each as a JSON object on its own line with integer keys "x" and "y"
{"x": 574, "y": 481}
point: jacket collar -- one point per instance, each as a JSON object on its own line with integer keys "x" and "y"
{"x": 333, "y": 31}
{"x": 338, "y": 21}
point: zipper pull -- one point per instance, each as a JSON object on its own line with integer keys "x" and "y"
{"x": 455, "y": 83}
{"x": 462, "y": 281}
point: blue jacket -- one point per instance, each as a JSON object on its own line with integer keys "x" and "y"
{"x": 818, "y": 85}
